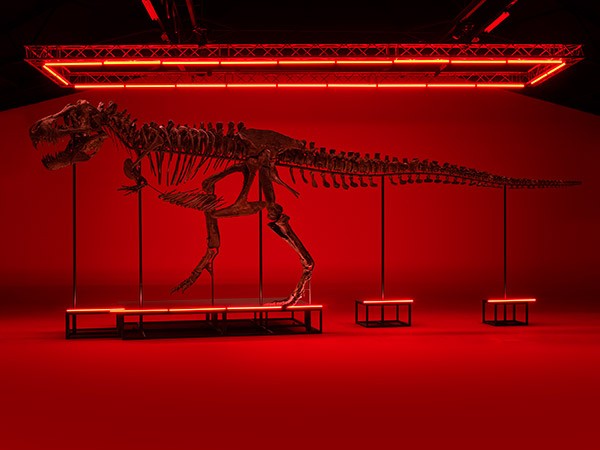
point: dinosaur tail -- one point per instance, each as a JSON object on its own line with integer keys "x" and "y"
{"x": 351, "y": 170}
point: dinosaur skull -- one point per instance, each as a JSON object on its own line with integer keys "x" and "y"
{"x": 81, "y": 122}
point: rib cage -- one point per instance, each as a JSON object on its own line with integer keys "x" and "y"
{"x": 177, "y": 153}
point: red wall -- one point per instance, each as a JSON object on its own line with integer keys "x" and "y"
{"x": 443, "y": 241}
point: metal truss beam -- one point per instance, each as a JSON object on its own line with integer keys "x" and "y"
{"x": 329, "y": 65}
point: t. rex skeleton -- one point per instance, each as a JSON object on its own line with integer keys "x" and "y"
{"x": 176, "y": 153}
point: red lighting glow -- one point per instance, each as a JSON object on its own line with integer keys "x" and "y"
{"x": 306, "y": 61}
{"x": 302, "y": 85}
{"x": 81, "y": 63}
{"x": 138, "y": 311}
{"x": 253, "y": 62}
{"x": 353, "y": 85}
{"x": 302, "y": 307}
{"x": 150, "y": 86}
{"x": 93, "y": 310}
{"x": 500, "y": 85}
{"x": 401, "y": 85}
{"x": 452, "y": 85}
{"x": 150, "y": 9}
{"x": 207, "y": 309}
{"x": 501, "y": 18}
{"x": 132, "y": 62}
{"x": 365, "y": 61}
{"x": 55, "y": 75}
{"x": 385, "y": 302}
{"x": 547, "y": 74}
{"x": 98, "y": 86}
{"x": 251, "y": 85}
{"x": 534, "y": 61}
{"x": 512, "y": 300}
{"x": 187, "y": 62}
{"x": 254, "y": 308}
{"x": 421, "y": 61}
{"x": 198, "y": 85}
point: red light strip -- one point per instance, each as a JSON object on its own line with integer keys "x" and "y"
{"x": 150, "y": 9}
{"x": 301, "y": 85}
{"x": 132, "y": 62}
{"x": 301, "y": 307}
{"x": 55, "y": 75}
{"x": 379, "y": 302}
{"x": 535, "y": 61}
{"x": 184, "y": 62}
{"x": 501, "y": 18}
{"x": 306, "y": 61}
{"x": 352, "y": 85}
{"x": 93, "y": 310}
{"x": 138, "y": 311}
{"x": 252, "y": 62}
{"x": 239, "y": 85}
{"x": 402, "y": 85}
{"x": 365, "y": 61}
{"x": 209, "y": 309}
{"x": 254, "y": 308}
{"x": 421, "y": 61}
{"x": 512, "y": 300}
{"x": 546, "y": 74}
{"x": 453, "y": 85}
{"x": 150, "y": 85}
{"x": 98, "y": 86}
{"x": 198, "y": 85}
{"x": 213, "y": 62}
{"x": 82, "y": 63}
{"x": 501, "y": 85}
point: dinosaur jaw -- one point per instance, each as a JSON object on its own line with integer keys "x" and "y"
{"x": 82, "y": 145}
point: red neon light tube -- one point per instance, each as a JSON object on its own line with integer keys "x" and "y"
{"x": 512, "y": 300}
{"x": 305, "y": 307}
{"x": 546, "y": 74}
{"x": 501, "y": 18}
{"x": 254, "y": 308}
{"x": 379, "y": 302}
{"x": 93, "y": 310}
{"x": 55, "y": 75}
{"x": 149, "y": 85}
{"x": 402, "y": 85}
{"x": 139, "y": 311}
{"x": 422, "y": 61}
{"x": 132, "y": 62}
{"x": 98, "y": 86}
{"x": 500, "y": 85}
{"x": 74, "y": 63}
{"x": 150, "y": 9}
{"x": 205, "y": 309}
{"x": 199, "y": 85}
{"x": 184, "y": 62}
{"x": 306, "y": 61}
{"x": 302, "y": 85}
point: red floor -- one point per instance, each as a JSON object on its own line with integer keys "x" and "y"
{"x": 446, "y": 382}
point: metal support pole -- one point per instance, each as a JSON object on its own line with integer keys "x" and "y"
{"x": 140, "y": 263}
{"x": 260, "y": 248}
{"x": 74, "y": 236}
{"x": 382, "y": 238}
{"x": 505, "y": 292}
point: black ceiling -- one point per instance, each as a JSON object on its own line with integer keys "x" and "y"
{"x": 44, "y": 22}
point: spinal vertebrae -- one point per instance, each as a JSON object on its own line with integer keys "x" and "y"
{"x": 177, "y": 153}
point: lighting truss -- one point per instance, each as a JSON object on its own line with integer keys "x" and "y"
{"x": 303, "y": 65}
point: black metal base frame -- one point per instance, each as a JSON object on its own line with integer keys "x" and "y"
{"x": 371, "y": 322}
{"x": 506, "y": 319}
{"x": 253, "y": 322}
